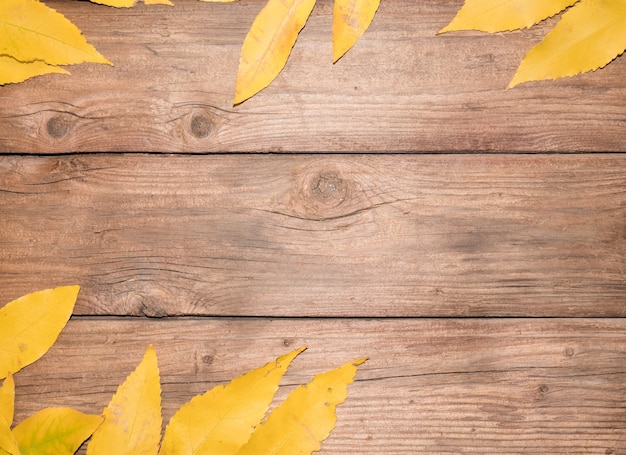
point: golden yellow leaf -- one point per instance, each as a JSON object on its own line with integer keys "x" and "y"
{"x": 133, "y": 416}
{"x": 55, "y": 431}
{"x": 588, "y": 36}
{"x": 504, "y": 15}
{"x": 116, "y": 3}
{"x": 350, "y": 20}
{"x": 268, "y": 44}
{"x": 31, "y": 31}
{"x": 7, "y": 399}
{"x": 299, "y": 424}
{"x": 30, "y": 325}
{"x": 13, "y": 71}
{"x": 220, "y": 421}
{"x": 8, "y": 443}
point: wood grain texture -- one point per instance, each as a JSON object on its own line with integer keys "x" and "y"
{"x": 285, "y": 235}
{"x": 402, "y": 88}
{"x": 429, "y": 387}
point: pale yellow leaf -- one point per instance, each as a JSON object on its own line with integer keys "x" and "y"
{"x": 351, "y": 18}
{"x": 30, "y": 325}
{"x": 8, "y": 443}
{"x": 7, "y": 399}
{"x": 31, "y": 31}
{"x": 13, "y": 71}
{"x": 221, "y": 421}
{"x": 268, "y": 44}
{"x": 504, "y": 15}
{"x": 588, "y": 36}
{"x": 299, "y": 424}
{"x": 55, "y": 431}
{"x": 133, "y": 416}
{"x": 116, "y": 3}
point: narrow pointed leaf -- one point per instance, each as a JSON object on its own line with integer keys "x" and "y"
{"x": 499, "y": 16}
{"x": 305, "y": 418}
{"x": 7, "y": 399}
{"x": 268, "y": 44}
{"x": 588, "y": 36}
{"x": 221, "y": 421}
{"x": 8, "y": 443}
{"x": 351, "y": 18}
{"x": 31, "y": 31}
{"x": 30, "y": 325}
{"x": 116, "y": 3}
{"x": 55, "y": 431}
{"x": 13, "y": 71}
{"x": 133, "y": 417}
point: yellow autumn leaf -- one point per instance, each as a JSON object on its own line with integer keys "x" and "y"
{"x": 8, "y": 443}
{"x": 13, "y": 71}
{"x": 299, "y": 424}
{"x": 133, "y": 416}
{"x": 351, "y": 18}
{"x": 55, "y": 431}
{"x": 588, "y": 36}
{"x": 499, "y": 16}
{"x": 7, "y": 399}
{"x": 220, "y": 421}
{"x": 30, "y": 325}
{"x": 268, "y": 44}
{"x": 31, "y": 31}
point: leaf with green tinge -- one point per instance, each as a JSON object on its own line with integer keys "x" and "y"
{"x": 133, "y": 416}
{"x": 268, "y": 44}
{"x": 499, "y": 16}
{"x": 30, "y": 325}
{"x": 220, "y": 421}
{"x": 588, "y": 36}
{"x": 351, "y": 18}
{"x": 55, "y": 431}
{"x": 299, "y": 424}
{"x": 31, "y": 31}
{"x": 13, "y": 71}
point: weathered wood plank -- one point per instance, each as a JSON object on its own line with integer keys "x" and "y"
{"x": 430, "y": 386}
{"x": 286, "y": 235}
{"x": 402, "y": 88}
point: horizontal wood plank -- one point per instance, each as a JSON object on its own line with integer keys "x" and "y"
{"x": 287, "y": 235}
{"x": 430, "y": 386}
{"x": 402, "y": 88}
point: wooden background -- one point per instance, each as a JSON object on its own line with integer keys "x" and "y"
{"x": 400, "y": 205}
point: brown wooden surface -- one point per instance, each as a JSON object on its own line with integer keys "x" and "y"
{"x": 402, "y": 88}
{"x": 504, "y": 386}
{"x": 487, "y": 288}
{"x": 453, "y": 235}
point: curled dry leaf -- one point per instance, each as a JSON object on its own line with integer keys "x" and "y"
{"x": 299, "y": 424}
{"x": 221, "y": 420}
{"x": 30, "y": 325}
{"x": 351, "y": 18}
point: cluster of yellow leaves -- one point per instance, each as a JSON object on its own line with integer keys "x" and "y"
{"x": 227, "y": 420}
{"x": 589, "y": 35}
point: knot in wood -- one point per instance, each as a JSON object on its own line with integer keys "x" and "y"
{"x": 57, "y": 127}
{"x": 328, "y": 188}
{"x": 200, "y": 126}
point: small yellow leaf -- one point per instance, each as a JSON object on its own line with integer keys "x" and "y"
{"x": 13, "y": 71}
{"x": 31, "y": 31}
{"x": 133, "y": 416}
{"x": 7, "y": 399}
{"x": 268, "y": 44}
{"x": 55, "y": 431}
{"x": 8, "y": 444}
{"x": 588, "y": 36}
{"x": 221, "y": 421}
{"x": 305, "y": 418}
{"x": 499, "y": 16}
{"x": 30, "y": 325}
{"x": 351, "y": 18}
{"x": 116, "y": 3}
